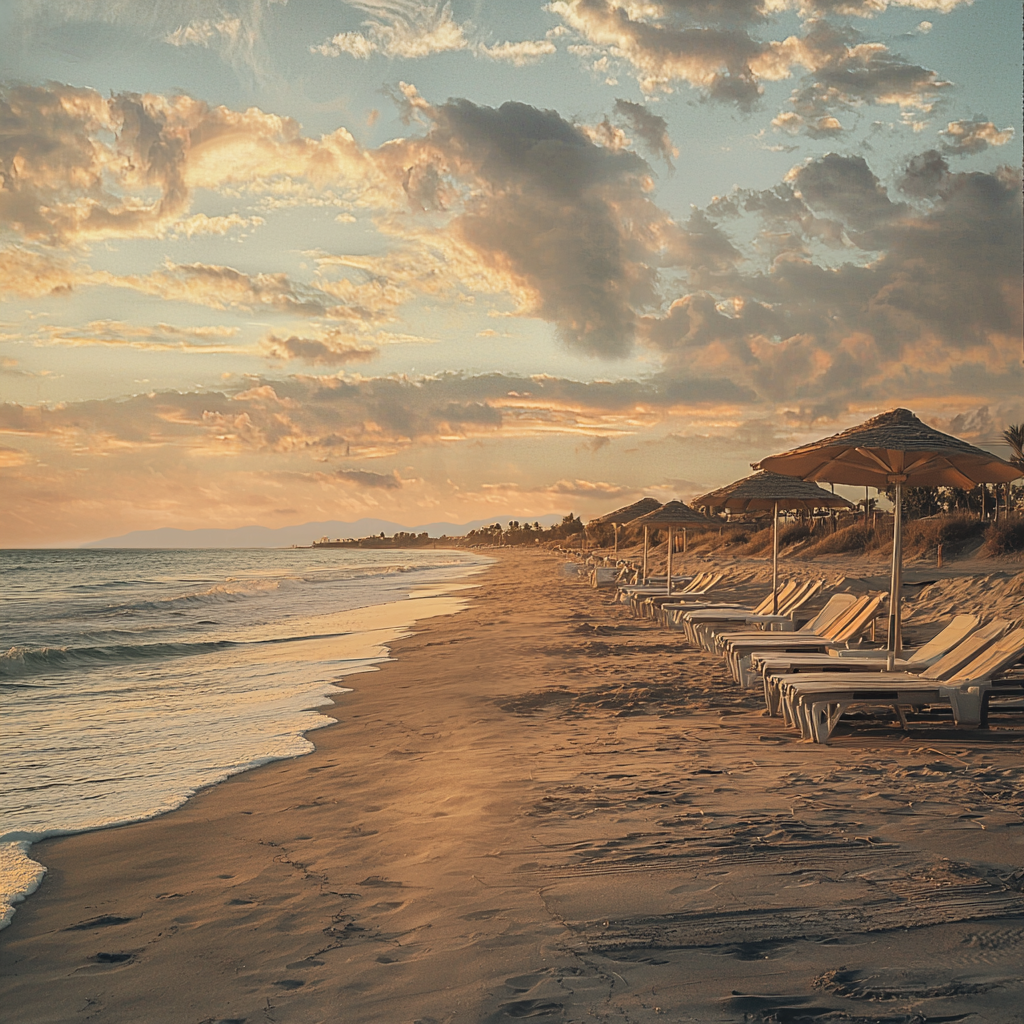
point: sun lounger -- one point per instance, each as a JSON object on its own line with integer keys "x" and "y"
{"x": 839, "y": 613}
{"x": 650, "y": 607}
{"x": 702, "y": 626}
{"x": 850, "y": 623}
{"x": 815, "y": 701}
{"x": 674, "y": 613}
{"x": 819, "y": 707}
{"x": 650, "y": 588}
{"x": 698, "y": 584}
{"x": 780, "y": 689}
{"x": 752, "y": 667}
{"x": 684, "y": 620}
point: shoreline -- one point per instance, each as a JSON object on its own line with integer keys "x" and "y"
{"x": 541, "y": 807}
{"x": 361, "y": 640}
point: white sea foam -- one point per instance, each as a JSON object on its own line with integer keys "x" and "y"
{"x": 130, "y": 682}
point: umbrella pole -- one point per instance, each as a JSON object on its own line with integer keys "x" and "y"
{"x": 615, "y": 550}
{"x": 646, "y": 529}
{"x": 684, "y": 540}
{"x": 893, "y": 644}
{"x": 668, "y": 578}
{"x": 775, "y": 562}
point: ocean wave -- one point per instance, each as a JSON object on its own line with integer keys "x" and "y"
{"x": 18, "y": 662}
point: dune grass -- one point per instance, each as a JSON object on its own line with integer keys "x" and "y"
{"x": 1005, "y": 537}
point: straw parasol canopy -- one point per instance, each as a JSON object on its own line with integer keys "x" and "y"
{"x": 767, "y": 491}
{"x": 671, "y": 515}
{"x": 893, "y": 449}
{"x": 764, "y": 491}
{"x": 626, "y": 514}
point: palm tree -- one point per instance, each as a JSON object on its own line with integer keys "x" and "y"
{"x": 1014, "y": 437}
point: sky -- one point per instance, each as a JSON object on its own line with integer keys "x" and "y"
{"x": 278, "y": 261}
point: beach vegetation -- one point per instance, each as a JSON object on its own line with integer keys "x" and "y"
{"x": 847, "y": 540}
{"x": 953, "y": 532}
{"x": 1005, "y": 537}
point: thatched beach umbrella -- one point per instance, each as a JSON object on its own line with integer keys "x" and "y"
{"x": 672, "y": 514}
{"x": 627, "y": 514}
{"x": 764, "y": 492}
{"x": 893, "y": 449}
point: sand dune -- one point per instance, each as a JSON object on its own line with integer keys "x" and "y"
{"x": 544, "y": 808}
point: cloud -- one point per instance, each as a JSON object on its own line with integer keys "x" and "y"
{"x": 519, "y": 54}
{"x": 936, "y": 312}
{"x": 78, "y": 166}
{"x": 695, "y": 43}
{"x": 413, "y": 29}
{"x": 924, "y": 175}
{"x": 846, "y": 73}
{"x": 649, "y": 128}
{"x": 236, "y": 32}
{"x": 366, "y": 478}
{"x": 13, "y": 457}
{"x": 718, "y": 47}
{"x": 567, "y": 224}
{"x": 405, "y": 29}
{"x": 159, "y": 338}
{"x": 31, "y": 274}
{"x": 331, "y": 348}
{"x": 967, "y": 137}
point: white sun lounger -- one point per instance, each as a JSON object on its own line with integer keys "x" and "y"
{"x": 842, "y": 612}
{"x": 816, "y": 705}
{"x": 674, "y": 613}
{"x": 779, "y": 688}
{"x": 757, "y": 664}
{"x": 700, "y": 623}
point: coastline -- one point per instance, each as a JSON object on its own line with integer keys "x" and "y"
{"x": 540, "y": 807}
{"x": 354, "y": 641}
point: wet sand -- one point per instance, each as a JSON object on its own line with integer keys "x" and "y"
{"x": 544, "y": 808}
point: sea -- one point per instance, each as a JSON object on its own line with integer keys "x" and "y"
{"x": 130, "y": 679}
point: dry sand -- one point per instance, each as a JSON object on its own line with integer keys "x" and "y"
{"x": 547, "y": 809}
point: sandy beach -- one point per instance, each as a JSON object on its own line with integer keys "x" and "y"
{"x": 545, "y": 808}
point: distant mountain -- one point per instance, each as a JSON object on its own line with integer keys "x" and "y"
{"x": 303, "y": 536}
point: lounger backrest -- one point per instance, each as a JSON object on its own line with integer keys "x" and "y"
{"x": 803, "y": 595}
{"x": 696, "y": 583}
{"x": 712, "y": 579}
{"x": 945, "y": 640}
{"x": 1002, "y": 654}
{"x": 795, "y": 598}
{"x": 858, "y": 622}
{"x": 836, "y": 603}
{"x": 765, "y": 607}
{"x": 966, "y": 651}
{"x": 839, "y": 622}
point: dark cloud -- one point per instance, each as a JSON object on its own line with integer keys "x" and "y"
{"x": 846, "y": 188}
{"x": 366, "y": 478}
{"x": 650, "y": 129}
{"x": 846, "y": 73}
{"x": 924, "y": 175}
{"x": 537, "y": 200}
{"x": 940, "y": 302}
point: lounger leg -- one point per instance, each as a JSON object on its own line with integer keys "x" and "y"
{"x": 790, "y": 714}
{"x": 966, "y": 707}
{"x": 901, "y": 712}
{"x": 823, "y": 718}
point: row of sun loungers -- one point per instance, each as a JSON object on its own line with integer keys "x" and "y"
{"x": 812, "y": 675}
